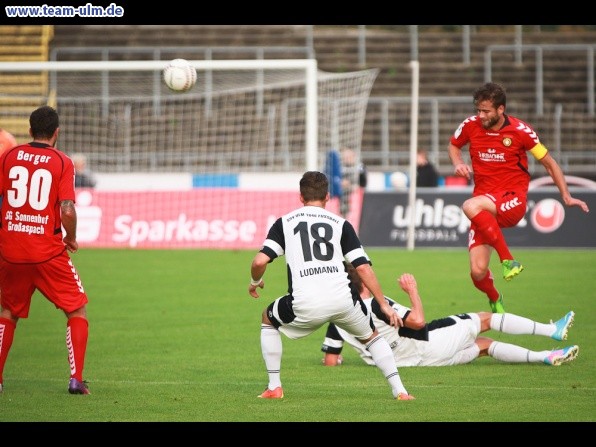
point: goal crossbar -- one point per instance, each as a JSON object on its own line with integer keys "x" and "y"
{"x": 308, "y": 65}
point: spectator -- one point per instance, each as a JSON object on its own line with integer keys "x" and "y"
{"x": 334, "y": 173}
{"x": 83, "y": 177}
{"x": 353, "y": 176}
{"x": 345, "y": 175}
{"x": 426, "y": 174}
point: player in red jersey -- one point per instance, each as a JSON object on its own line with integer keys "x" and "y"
{"x": 37, "y": 189}
{"x": 7, "y": 141}
{"x": 498, "y": 147}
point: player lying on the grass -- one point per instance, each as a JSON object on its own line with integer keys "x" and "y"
{"x": 452, "y": 340}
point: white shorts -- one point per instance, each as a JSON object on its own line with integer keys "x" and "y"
{"x": 449, "y": 345}
{"x": 451, "y": 341}
{"x": 299, "y": 322}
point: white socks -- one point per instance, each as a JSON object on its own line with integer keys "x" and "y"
{"x": 271, "y": 348}
{"x": 383, "y": 357}
{"x": 516, "y": 325}
{"x": 507, "y": 352}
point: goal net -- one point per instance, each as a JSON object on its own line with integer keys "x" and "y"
{"x": 206, "y": 168}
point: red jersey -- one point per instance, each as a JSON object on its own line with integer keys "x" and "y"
{"x": 34, "y": 179}
{"x": 499, "y": 158}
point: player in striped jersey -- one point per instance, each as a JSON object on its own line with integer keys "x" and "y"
{"x": 498, "y": 149}
{"x": 316, "y": 243}
{"x": 452, "y": 340}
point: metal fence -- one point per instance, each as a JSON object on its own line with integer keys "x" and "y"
{"x": 568, "y": 130}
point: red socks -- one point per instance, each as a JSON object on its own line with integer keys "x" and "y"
{"x": 487, "y": 285}
{"x": 487, "y": 225}
{"x": 77, "y": 332}
{"x": 7, "y": 328}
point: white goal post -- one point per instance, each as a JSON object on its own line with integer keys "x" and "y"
{"x": 297, "y": 80}
{"x": 207, "y": 168}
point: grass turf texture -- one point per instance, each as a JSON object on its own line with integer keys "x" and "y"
{"x": 174, "y": 337}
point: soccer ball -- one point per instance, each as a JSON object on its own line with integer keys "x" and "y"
{"x": 179, "y": 75}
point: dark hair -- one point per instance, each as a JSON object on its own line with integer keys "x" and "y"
{"x": 314, "y": 185}
{"x": 44, "y": 121}
{"x": 493, "y": 92}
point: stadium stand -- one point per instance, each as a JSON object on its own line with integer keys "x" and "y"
{"x": 445, "y": 70}
{"x": 22, "y": 92}
{"x": 389, "y": 49}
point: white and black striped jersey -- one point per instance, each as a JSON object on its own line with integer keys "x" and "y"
{"x": 315, "y": 243}
{"x": 441, "y": 342}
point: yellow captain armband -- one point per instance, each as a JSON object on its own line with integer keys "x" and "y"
{"x": 539, "y": 151}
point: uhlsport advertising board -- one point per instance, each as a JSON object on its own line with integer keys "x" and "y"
{"x": 440, "y": 222}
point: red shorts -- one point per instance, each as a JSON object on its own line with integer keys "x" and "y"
{"x": 56, "y": 279}
{"x": 511, "y": 208}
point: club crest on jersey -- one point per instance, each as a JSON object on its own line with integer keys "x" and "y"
{"x": 506, "y": 141}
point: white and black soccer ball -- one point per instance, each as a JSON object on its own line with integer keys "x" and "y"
{"x": 179, "y": 75}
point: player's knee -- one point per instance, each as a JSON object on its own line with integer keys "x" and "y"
{"x": 470, "y": 209}
{"x": 81, "y": 312}
{"x": 477, "y": 273}
{"x": 472, "y": 206}
{"x": 265, "y": 318}
{"x": 485, "y": 318}
{"x": 483, "y": 344}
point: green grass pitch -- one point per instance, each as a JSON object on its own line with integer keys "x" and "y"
{"x": 174, "y": 337}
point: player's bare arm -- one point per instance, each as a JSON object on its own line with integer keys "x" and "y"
{"x": 408, "y": 284}
{"x": 68, "y": 214}
{"x": 556, "y": 173}
{"x": 395, "y": 320}
{"x": 460, "y": 168}
{"x": 369, "y": 279}
{"x": 257, "y": 270}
